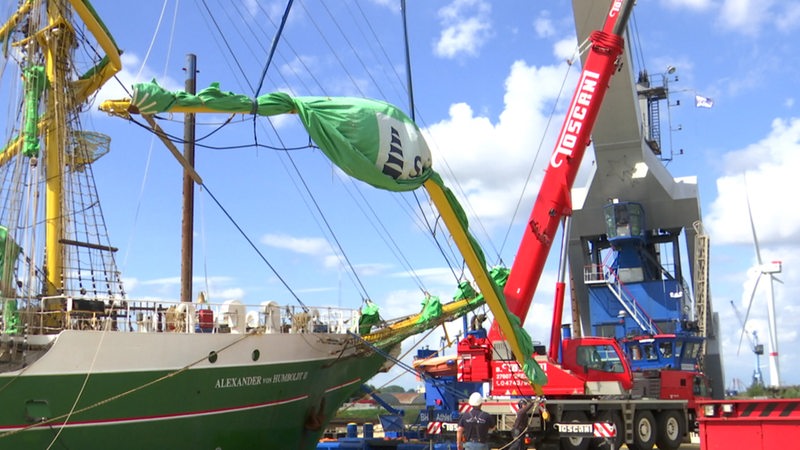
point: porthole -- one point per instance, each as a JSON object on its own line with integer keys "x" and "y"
{"x": 212, "y": 357}
{"x": 256, "y": 354}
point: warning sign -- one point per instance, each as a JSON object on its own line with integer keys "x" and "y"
{"x": 509, "y": 379}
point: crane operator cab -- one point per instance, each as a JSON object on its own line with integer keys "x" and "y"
{"x": 624, "y": 220}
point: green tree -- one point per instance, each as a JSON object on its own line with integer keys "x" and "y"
{"x": 393, "y": 389}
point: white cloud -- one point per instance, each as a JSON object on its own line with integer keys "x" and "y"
{"x": 744, "y": 15}
{"x": 788, "y": 19}
{"x": 770, "y": 167}
{"x": 466, "y": 27}
{"x": 304, "y": 245}
{"x": 698, "y": 5}
{"x": 485, "y": 151}
{"x": 392, "y": 5}
{"x": 747, "y": 17}
{"x": 565, "y": 49}
{"x": 543, "y": 25}
{"x": 133, "y": 71}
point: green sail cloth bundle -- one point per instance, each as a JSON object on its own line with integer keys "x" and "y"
{"x": 370, "y": 140}
{"x": 9, "y": 251}
{"x": 10, "y": 316}
{"x": 369, "y": 317}
{"x": 431, "y": 309}
{"x": 35, "y": 82}
{"x": 465, "y": 291}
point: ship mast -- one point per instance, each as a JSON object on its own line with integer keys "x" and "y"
{"x": 57, "y": 106}
{"x": 187, "y": 224}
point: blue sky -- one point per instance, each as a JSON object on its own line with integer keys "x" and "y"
{"x": 486, "y": 77}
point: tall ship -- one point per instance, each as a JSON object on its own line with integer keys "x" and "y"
{"x": 85, "y": 365}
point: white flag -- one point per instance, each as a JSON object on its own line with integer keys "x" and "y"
{"x": 703, "y": 102}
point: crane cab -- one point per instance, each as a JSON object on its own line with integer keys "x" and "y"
{"x": 624, "y": 220}
{"x": 600, "y": 362}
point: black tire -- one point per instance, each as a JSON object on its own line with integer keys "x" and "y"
{"x": 645, "y": 431}
{"x": 619, "y": 439}
{"x": 574, "y": 443}
{"x": 671, "y": 428}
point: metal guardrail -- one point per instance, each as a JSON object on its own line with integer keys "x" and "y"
{"x": 149, "y": 316}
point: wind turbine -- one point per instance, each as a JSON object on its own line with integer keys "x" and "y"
{"x": 770, "y": 268}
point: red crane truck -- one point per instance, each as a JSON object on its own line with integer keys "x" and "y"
{"x": 589, "y": 378}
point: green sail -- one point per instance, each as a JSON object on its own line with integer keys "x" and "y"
{"x": 9, "y": 251}
{"x": 370, "y": 140}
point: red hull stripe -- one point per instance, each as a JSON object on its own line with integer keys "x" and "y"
{"x": 345, "y": 384}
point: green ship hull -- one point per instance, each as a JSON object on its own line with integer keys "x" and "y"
{"x": 260, "y": 392}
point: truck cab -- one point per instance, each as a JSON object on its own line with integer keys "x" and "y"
{"x": 599, "y": 362}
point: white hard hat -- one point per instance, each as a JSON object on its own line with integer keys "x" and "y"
{"x": 475, "y": 399}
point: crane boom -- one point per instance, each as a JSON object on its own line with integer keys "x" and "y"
{"x": 553, "y": 202}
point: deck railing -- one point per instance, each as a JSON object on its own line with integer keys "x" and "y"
{"x": 53, "y": 314}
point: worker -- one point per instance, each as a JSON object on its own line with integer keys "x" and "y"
{"x": 474, "y": 426}
{"x": 520, "y": 425}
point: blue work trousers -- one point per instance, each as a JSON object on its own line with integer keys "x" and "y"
{"x": 475, "y": 446}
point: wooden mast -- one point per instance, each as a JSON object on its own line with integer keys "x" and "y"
{"x": 187, "y": 223}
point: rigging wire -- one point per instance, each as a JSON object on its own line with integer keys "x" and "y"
{"x": 275, "y": 40}
{"x": 634, "y": 38}
{"x": 374, "y": 40}
{"x": 292, "y": 66}
{"x": 333, "y": 51}
{"x": 227, "y": 44}
{"x": 576, "y": 55}
{"x": 384, "y": 234}
{"x": 273, "y": 52}
{"x": 355, "y": 52}
{"x": 252, "y": 244}
{"x": 335, "y": 239}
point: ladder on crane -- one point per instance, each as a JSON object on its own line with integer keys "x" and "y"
{"x": 701, "y": 251}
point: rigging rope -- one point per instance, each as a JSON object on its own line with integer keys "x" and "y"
{"x": 249, "y": 241}
{"x": 272, "y": 50}
{"x": 583, "y": 47}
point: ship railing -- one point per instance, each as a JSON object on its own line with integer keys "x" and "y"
{"x": 54, "y": 314}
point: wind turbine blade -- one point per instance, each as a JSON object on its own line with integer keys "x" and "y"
{"x": 777, "y": 279}
{"x": 747, "y": 313}
{"x": 752, "y": 224}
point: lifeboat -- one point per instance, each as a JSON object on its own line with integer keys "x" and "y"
{"x": 437, "y": 366}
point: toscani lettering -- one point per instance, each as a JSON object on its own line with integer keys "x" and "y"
{"x": 577, "y": 114}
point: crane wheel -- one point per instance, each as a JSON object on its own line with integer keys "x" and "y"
{"x": 671, "y": 428}
{"x": 644, "y": 431}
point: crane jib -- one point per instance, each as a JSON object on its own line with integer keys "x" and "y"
{"x": 553, "y": 201}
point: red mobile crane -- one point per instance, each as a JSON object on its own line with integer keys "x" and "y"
{"x": 553, "y": 205}
{"x": 592, "y": 380}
